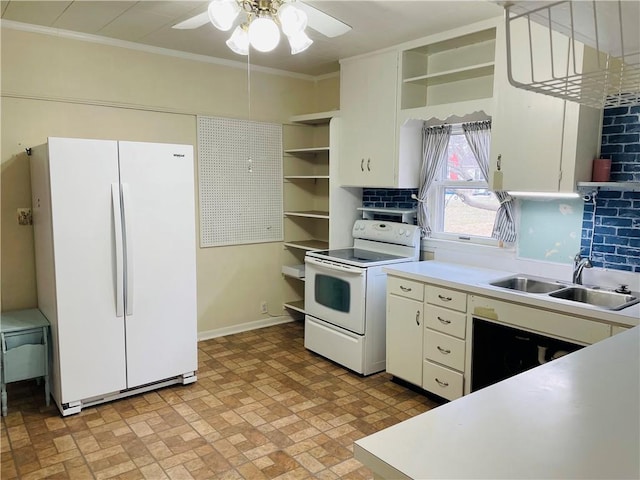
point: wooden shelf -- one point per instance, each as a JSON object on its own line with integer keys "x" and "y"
{"x": 455, "y": 75}
{"x": 315, "y": 118}
{"x": 293, "y": 277}
{"x": 297, "y": 305}
{"x": 308, "y": 214}
{"x": 406, "y": 214}
{"x": 308, "y": 244}
{"x": 305, "y": 177}
{"x": 625, "y": 186}
{"x": 307, "y": 150}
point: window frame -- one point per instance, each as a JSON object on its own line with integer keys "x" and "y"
{"x": 436, "y": 202}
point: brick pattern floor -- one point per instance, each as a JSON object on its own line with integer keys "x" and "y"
{"x": 263, "y": 407}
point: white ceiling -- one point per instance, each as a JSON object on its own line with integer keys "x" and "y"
{"x": 376, "y": 24}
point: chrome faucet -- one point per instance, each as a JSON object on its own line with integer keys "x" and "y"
{"x": 579, "y": 264}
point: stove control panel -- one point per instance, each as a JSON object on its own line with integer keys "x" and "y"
{"x": 388, "y": 232}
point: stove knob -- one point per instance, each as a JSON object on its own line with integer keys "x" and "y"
{"x": 401, "y": 231}
{"x": 408, "y": 233}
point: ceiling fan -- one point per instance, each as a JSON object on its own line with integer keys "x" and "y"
{"x": 265, "y": 15}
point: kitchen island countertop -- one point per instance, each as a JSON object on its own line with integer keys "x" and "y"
{"x": 575, "y": 417}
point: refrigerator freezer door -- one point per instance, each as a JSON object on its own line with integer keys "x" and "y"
{"x": 159, "y": 212}
{"x": 90, "y": 337}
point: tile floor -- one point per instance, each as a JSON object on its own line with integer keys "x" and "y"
{"x": 263, "y": 407}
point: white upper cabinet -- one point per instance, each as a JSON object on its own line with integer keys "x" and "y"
{"x": 538, "y": 142}
{"x": 368, "y": 105}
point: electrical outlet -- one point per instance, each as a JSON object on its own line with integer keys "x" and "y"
{"x": 24, "y": 216}
{"x": 263, "y": 307}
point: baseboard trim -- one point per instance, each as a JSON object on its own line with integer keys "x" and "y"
{"x": 244, "y": 327}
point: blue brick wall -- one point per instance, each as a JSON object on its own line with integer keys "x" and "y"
{"x": 611, "y": 226}
{"x": 621, "y": 142}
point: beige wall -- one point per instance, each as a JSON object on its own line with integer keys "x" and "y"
{"x": 54, "y": 86}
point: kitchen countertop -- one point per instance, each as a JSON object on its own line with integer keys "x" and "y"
{"x": 575, "y": 417}
{"x": 476, "y": 280}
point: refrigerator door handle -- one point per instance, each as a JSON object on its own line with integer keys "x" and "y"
{"x": 117, "y": 223}
{"x": 128, "y": 247}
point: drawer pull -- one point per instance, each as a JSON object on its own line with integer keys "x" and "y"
{"x": 444, "y": 320}
{"x": 362, "y": 164}
{"x": 442, "y": 384}
{"x": 418, "y": 317}
{"x": 445, "y": 299}
{"x": 443, "y": 351}
{"x": 405, "y": 289}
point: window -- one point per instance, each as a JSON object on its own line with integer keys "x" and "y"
{"x": 463, "y": 207}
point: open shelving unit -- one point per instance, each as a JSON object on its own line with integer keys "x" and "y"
{"x": 318, "y": 214}
{"x": 306, "y": 197}
{"x": 454, "y": 70}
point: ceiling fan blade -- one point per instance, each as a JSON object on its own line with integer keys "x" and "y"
{"x": 322, "y": 22}
{"x": 193, "y": 22}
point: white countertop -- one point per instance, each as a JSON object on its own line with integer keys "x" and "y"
{"x": 575, "y": 417}
{"x": 476, "y": 280}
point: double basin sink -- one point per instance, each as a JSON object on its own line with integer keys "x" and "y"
{"x": 606, "y": 299}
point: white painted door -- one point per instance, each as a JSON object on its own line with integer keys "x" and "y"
{"x": 368, "y": 109}
{"x": 90, "y": 335}
{"x": 405, "y": 324}
{"x": 527, "y": 127}
{"x": 160, "y": 281}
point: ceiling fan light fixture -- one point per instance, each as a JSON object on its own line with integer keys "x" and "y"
{"x": 239, "y": 40}
{"x": 264, "y": 34}
{"x": 292, "y": 19}
{"x": 299, "y": 42}
{"x": 223, "y": 13}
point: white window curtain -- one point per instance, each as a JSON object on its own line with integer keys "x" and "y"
{"x": 478, "y": 135}
{"x": 434, "y": 151}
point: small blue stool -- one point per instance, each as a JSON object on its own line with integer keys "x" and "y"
{"x": 25, "y": 349}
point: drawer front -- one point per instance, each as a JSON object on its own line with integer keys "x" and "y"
{"x": 442, "y": 381}
{"x": 554, "y": 324}
{"x": 446, "y": 321}
{"x": 443, "y": 297}
{"x": 405, "y": 288}
{"x": 444, "y": 349}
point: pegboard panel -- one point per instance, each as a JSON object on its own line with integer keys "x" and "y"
{"x": 240, "y": 178}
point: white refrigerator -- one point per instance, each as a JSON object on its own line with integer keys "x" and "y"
{"x": 114, "y": 231}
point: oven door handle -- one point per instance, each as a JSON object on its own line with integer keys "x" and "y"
{"x": 328, "y": 265}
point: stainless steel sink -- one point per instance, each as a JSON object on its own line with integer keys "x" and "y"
{"x": 527, "y": 284}
{"x": 598, "y": 298}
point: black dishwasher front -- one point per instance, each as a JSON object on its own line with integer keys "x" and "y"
{"x": 499, "y": 352}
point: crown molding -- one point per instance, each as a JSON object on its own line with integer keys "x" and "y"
{"x": 90, "y": 38}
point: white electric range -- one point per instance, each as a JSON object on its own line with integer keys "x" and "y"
{"x": 345, "y": 294}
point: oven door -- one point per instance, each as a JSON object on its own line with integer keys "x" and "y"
{"x": 335, "y": 292}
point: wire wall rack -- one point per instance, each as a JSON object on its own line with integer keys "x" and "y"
{"x": 588, "y": 52}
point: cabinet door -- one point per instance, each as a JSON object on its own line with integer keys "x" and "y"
{"x": 527, "y": 127}
{"x": 405, "y": 318}
{"x": 368, "y": 106}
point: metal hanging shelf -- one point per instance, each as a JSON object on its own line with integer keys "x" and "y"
{"x": 589, "y": 55}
